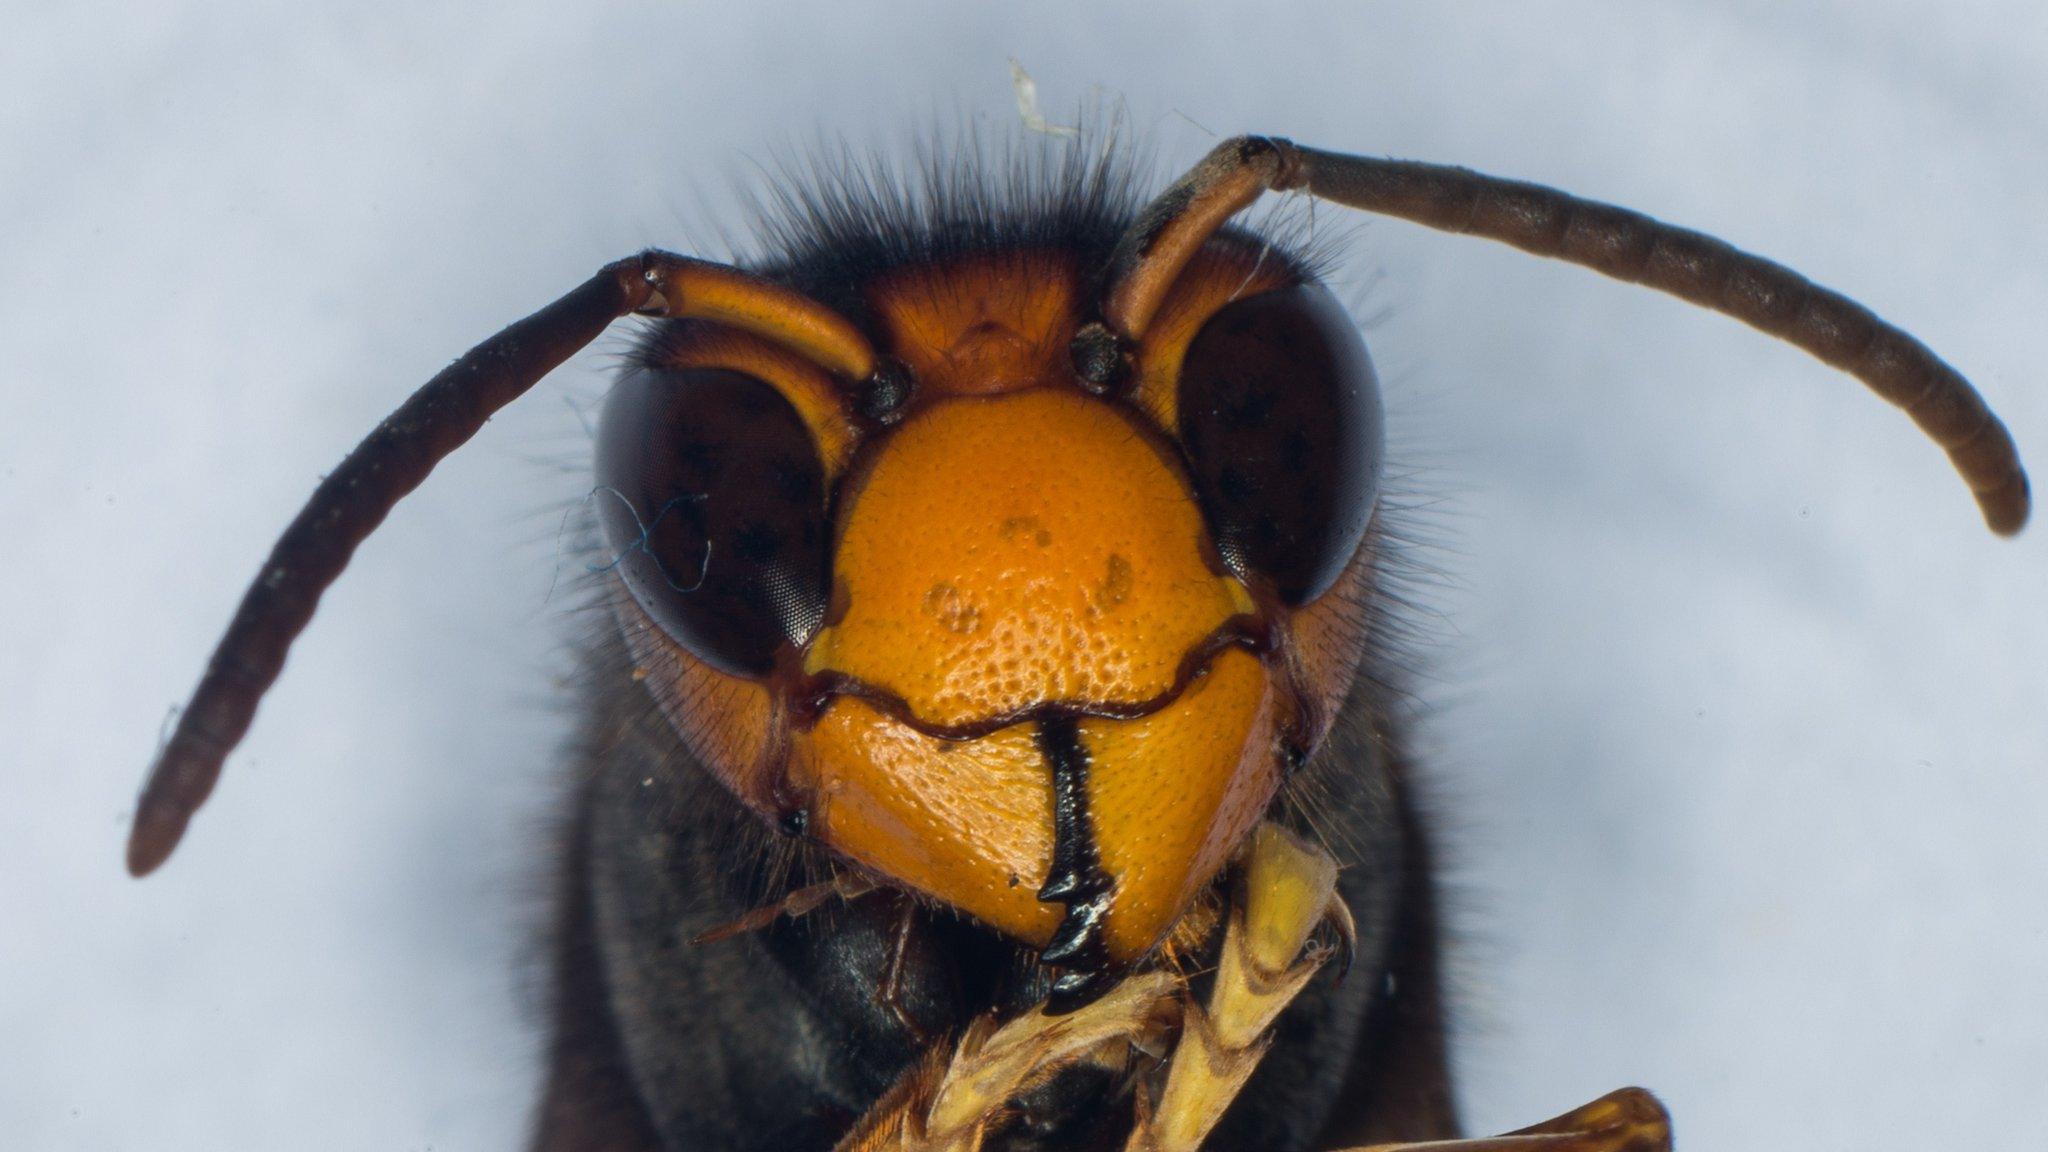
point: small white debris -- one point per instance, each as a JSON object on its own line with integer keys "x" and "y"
{"x": 1027, "y": 103}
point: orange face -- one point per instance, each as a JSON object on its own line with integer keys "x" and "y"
{"x": 1031, "y": 678}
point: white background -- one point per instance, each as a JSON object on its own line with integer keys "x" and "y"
{"x": 1737, "y": 719}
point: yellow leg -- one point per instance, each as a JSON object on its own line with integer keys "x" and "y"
{"x": 947, "y": 1105}
{"x": 1289, "y": 889}
{"x": 1630, "y": 1120}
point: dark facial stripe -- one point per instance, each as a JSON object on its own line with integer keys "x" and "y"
{"x": 1076, "y": 878}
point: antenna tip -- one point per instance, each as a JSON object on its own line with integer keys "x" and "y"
{"x": 153, "y": 839}
{"x": 2007, "y": 507}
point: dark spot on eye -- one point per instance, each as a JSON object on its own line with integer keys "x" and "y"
{"x": 698, "y": 462}
{"x": 791, "y": 479}
{"x": 1251, "y": 412}
{"x": 1296, "y": 452}
{"x": 757, "y": 541}
{"x": 1234, "y": 485}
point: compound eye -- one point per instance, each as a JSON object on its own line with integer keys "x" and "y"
{"x": 713, "y": 508}
{"x": 1280, "y": 417}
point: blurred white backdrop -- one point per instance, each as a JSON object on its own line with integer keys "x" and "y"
{"x": 1737, "y": 724}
